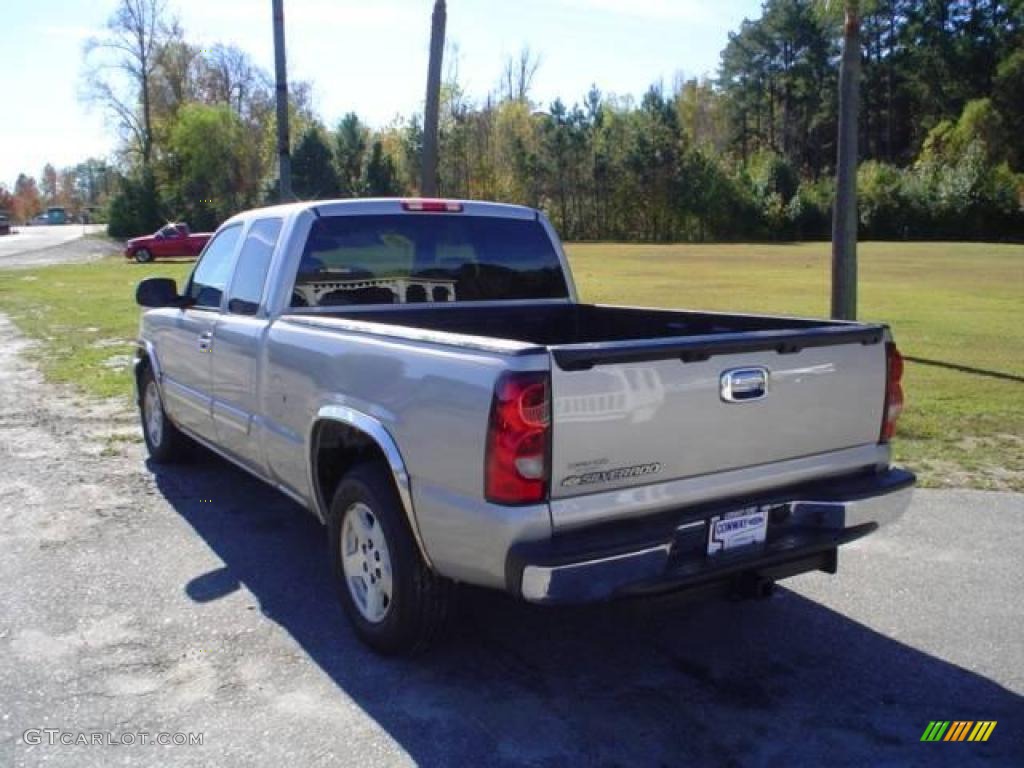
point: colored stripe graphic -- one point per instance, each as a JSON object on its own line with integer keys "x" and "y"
{"x": 958, "y": 730}
{"x": 935, "y": 730}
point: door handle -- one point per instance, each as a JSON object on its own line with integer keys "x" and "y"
{"x": 206, "y": 341}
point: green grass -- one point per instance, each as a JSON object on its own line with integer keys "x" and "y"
{"x": 951, "y": 303}
{"x": 86, "y": 317}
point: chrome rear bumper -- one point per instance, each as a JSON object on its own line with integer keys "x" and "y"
{"x": 806, "y": 526}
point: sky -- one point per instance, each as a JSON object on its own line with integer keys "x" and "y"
{"x": 366, "y": 56}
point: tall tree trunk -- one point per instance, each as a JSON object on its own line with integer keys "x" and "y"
{"x": 147, "y": 115}
{"x": 844, "y": 217}
{"x": 889, "y": 153}
{"x": 431, "y": 116}
{"x": 283, "y": 141}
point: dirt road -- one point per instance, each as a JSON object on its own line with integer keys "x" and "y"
{"x": 40, "y": 246}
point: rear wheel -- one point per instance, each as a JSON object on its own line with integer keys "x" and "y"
{"x": 142, "y": 256}
{"x": 394, "y": 602}
{"x": 165, "y": 442}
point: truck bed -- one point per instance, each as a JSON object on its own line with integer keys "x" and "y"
{"x": 637, "y": 393}
{"x": 562, "y": 324}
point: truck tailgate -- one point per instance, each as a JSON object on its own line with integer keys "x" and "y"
{"x": 637, "y": 413}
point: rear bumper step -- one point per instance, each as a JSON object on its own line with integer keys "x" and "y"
{"x": 807, "y": 524}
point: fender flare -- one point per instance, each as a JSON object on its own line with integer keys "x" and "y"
{"x": 146, "y": 351}
{"x": 379, "y": 434}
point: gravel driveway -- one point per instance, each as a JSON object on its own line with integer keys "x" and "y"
{"x": 41, "y": 246}
{"x": 194, "y": 600}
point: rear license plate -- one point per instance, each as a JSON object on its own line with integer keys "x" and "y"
{"x": 737, "y": 530}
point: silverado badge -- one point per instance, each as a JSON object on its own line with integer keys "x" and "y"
{"x": 612, "y": 475}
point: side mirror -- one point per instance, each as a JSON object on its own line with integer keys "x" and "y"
{"x": 158, "y": 292}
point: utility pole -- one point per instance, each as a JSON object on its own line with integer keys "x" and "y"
{"x": 844, "y": 216}
{"x": 428, "y": 186}
{"x": 283, "y": 141}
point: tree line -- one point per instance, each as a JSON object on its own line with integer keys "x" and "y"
{"x": 748, "y": 154}
{"x": 751, "y": 153}
{"x": 83, "y": 190}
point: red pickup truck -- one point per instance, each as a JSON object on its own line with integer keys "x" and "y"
{"x": 171, "y": 241}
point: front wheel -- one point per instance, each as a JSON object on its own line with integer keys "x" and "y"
{"x": 396, "y": 604}
{"x": 165, "y": 442}
{"x": 142, "y": 256}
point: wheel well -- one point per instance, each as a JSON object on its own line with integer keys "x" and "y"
{"x": 337, "y": 448}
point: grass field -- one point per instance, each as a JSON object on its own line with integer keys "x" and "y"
{"x": 956, "y": 308}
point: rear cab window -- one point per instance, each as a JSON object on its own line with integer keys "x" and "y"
{"x": 426, "y": 258}
{"x": 250, "y": 276}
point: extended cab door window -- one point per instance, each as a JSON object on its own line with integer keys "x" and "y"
{"x": 210, "y": 278}
{"x": 253, "y": 264}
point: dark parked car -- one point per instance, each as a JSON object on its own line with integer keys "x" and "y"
{"x": 5, "y": 224}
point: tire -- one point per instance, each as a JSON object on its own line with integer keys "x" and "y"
{"x": 165, "y": 442}
{"x": 365, "y": 512}
{"x": 142, "y": 256}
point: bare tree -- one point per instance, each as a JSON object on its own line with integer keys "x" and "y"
{"x": 120, "y": 67}
{"x": 178, "y": 73}
{"x": 230, "y": 77}
{"x": 517, "y": 78}
{"x": 428, "y": 186}
{"x": 844, "y": 217}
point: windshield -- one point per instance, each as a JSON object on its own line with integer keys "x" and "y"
{"x": 411, "y": 258}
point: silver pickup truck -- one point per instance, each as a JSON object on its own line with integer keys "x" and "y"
{"x": 420, "y": 375}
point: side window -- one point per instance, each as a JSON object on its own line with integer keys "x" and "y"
{"x": 253, "y": 263}
{"x": 210, "y": 277}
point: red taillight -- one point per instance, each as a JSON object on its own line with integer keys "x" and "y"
{"x": 432, "y": 206}
{"x": 516, "y": 462}
{"x": 893, "y": 392}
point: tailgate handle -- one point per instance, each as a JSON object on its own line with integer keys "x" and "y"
{"x": 742, "y": 385}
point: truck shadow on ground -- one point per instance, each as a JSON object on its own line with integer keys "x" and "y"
{"x": 655, "y": 682}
